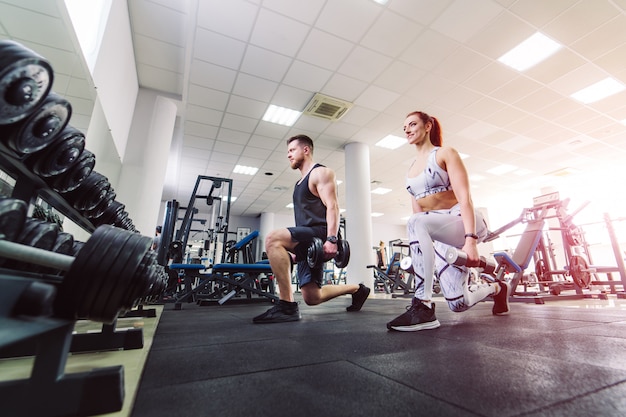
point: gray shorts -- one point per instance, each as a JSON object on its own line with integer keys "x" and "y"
{"x": 304, "y": 236}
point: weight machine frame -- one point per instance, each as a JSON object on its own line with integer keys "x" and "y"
{"x": 535, "y": 245}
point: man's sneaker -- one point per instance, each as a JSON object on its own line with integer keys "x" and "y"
{"x": 501, "y": 300}
{"x": 282, "y": 312}
{"x": 417, "y": 317}
{"x": 358, "y": 298}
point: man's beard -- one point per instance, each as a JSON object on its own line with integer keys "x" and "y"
{"x": 296, "y": 164}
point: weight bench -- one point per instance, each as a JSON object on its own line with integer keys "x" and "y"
{"x": 223, "y": 282}
{"x": 523, "y": 254}
{"x": 243, "y": 247}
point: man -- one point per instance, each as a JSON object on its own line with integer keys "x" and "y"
{"x": 317, "y": 215}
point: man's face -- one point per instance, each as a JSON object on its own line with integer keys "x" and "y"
{"x": 295, "y": 154}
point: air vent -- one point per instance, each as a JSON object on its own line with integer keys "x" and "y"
{"x": 327, "y": 107}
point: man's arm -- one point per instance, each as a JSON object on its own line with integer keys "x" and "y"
{"x": 324, "y": 185}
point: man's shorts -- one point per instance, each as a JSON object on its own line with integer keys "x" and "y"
{"x": 304, "y": 235}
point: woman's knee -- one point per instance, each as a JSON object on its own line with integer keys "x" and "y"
{"x": 458, "y": 306}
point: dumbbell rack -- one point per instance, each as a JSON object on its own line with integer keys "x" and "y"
{"x": 49, "y": 339}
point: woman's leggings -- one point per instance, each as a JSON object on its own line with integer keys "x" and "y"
{"x": 430, "y": 235}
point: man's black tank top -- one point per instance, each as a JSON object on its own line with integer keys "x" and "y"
{"x": 308, "y": 208}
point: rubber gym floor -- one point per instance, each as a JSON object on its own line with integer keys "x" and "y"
{"x": 561, "y": 358}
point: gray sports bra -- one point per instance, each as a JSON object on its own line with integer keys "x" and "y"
{"x": 433, "y": 180}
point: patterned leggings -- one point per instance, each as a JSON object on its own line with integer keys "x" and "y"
{"x": 430, "y": 235}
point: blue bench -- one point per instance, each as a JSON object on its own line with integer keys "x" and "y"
{"x": 231, "y": 278}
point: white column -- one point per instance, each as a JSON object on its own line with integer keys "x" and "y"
{"x": 145, "y": 162}
{"x": 266, "y": 225}
{"x": 358, "y": 213}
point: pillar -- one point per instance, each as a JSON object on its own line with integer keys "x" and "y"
{"x": 145, "y": 162}
{"x": 266, "y": 225}
{"x": 358, "y": 214}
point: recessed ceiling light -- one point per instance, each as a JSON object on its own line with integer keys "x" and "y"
{"x": 290, "y": 205}
{"x": 502, "y": 169}
{"x": 381, "y": 190}
{"x": 530, "y": 52}
{"x": 391, "y": 142}
{"x": 599, "y": 90}
{"x": 281, "y": 115}
{"x": 242, "y": 169}
{"x": 377, "y": 214}
{"x": 225, "y": 198}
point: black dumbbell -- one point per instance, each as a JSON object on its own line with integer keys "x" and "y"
{"x": 316, "y": 257}
{"x": 92, "y": 288}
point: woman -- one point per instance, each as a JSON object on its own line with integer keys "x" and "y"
{"x": 443, "y": 216}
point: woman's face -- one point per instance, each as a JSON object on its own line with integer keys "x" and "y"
{"x": 415, "y": 130}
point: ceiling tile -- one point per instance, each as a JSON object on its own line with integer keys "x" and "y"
{"x": 218, "y": 49}
{"x": 364, "y": 64}
{"x": 278, "y": 33}
{"x": 335, "y": 15}
{"x": 233, "y": 18}
{"x": 306, "y": 76}
{"x": 265, "y": 64}
{"x": 462, "y": 20}
{"x": 391, "y": 34}
{"x": 323, "y": 49}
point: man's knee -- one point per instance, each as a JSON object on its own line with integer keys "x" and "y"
{"x": 311, "y": 294}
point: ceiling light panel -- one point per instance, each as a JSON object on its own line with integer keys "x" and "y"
{"x": 530, "y": 52}
{"x": 391, "y": 142}
{"x": 281, "y": 115}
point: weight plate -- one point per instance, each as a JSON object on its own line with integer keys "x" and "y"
{"x": 71, "y": 179}
{"x": 579, "y": 271}
{"x": 25, "y": 80}
{"x": 64, "y": 244}
{"x": 101, "y": 279}
{"x": 60, "y": 155}
{"x": 110, "y": 300}
{"x": 99, "y": 209}
{"x": 110, "y": 213}
{"x": 77, "y": 280}
{"x": 141, "y": 284}
{"x": 12, "y": 218}
{"x": 315, "y": 253}
{"x": 343, "y": 254}
{"x": 41, "y": 128}
{"x": 38, "y": 234}
{"x": 89, "y": 193}
{"x": 574, "y": 235}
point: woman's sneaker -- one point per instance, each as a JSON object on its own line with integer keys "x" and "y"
{"x": 501, "y": 300}
{"x": 282, "y": 312}
{"x": 417, "y": 317}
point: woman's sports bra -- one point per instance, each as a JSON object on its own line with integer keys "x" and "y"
{"x": 432, "y": 180}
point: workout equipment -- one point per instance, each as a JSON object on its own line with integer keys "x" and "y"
{"x": 71, "y": 178}
{"x": 392, "y": 279}
{"x": 60, "y": 155}
{"x": 457, "y": 257}
{"x": 92, "y": 191}
{"x": 40, "y": 129}
{"x": 112, "y": 271}
{"x": 12, "y": 217}
{"x": 25, "y": 80}
{"x": 316, "y": 256}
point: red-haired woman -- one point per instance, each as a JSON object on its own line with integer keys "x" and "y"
{"x": 443, "y": 216}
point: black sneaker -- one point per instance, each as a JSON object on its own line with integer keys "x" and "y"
{"x": 501, "y": 300}
{"x": 282, "y": 312}
{"x": 417, "y": 317}
{"x": 358, "y": 298}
